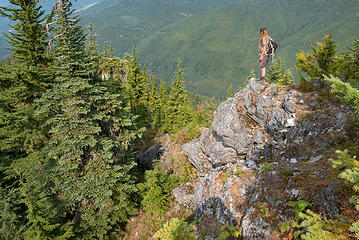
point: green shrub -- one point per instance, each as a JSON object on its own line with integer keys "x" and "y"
{"x": 278, "y": 74}
{"x": 157, "y": 191}
{"x": 299, "y": 205}
{"x": 347, "y": 92}
{"x": 322, "y": 61}
{"x": 350, "y": 174}
{"x": 176, "y": 230}
{"x": 228, "y": 232}
{"x": 318, "y": 228}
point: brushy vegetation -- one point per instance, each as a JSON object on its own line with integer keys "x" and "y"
{"x": 341, "y": 74}
{"x": 350, "y": 174}
{"x": 176, "y": 229}
{"x": 157, "y": 191}
{"x": 278, "y": 74}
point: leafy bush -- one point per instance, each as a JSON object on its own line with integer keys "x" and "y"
{"x": 351, "y": 174}
{"x": 176, "y": 230}
{"x": 299, "y": 205}
{"x": 347, "y": 92}
{"x": 228, "y": 232}
{"x": 278, "y": 74}
{"x": 318, "y": 228}
{"x": 322, "y": 61}
{"x": 157, "y": 191}
{"x": 348, "y": 68}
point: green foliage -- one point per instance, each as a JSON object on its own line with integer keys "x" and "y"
{"x": 229, "y": 91}
{"x": 350, "y": 174}
{"x": 300, "y": 205}
{"x": 264, "y": 210}
{"x": 346, "y": 91}
{"x": 22, "y": 81}
{"x": 318, "y": 228}
{"x": 188, "y": 173}
{"x": 179, "y": 112}
{"x": 321, "y": 62}
{"x": 228, "y": 232}
{"x": 251, "y": 75}
{"x": 11, "y": 220}
{"x": 265, "y": 166}
{"x": 289, "y": 225}
{"x": 157, "y": 191}
{"x": 348, "y": 62}
{"x": 176, "y": 230}
{"x": 278, "y": 74}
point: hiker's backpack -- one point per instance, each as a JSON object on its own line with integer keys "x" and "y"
{"x": 272, "y": 47}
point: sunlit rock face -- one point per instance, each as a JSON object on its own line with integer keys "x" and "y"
{"x": 258, "y": 155}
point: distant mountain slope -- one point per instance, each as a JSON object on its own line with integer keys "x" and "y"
{"x": 127, "y": 22}
{"x": 219, "y": 48}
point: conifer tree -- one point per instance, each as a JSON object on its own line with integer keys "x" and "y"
{"x": 111, "y": 50}
{"x": 319, "y": 63}
{"x": 136, "y": 86}
{"x": 154, "y": 105}
{"x": 348, "y": 69}
{"x": 179, "y": 110}
{"x": 105, "y": 50}
{"x": 25, "y": 79}
{"x": 23, "y": 82}
{"x": 83, "y": 179}
{"x": 161, "y": 110}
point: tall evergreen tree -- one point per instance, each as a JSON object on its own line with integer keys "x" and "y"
{"x": 25, "y": 79}
{"x": 23, "y": 82}
{"x": 162, "y": 106}
{"x": 80, "y": 186}
{"x": 179, "y": 110}
{"x": 136, "y": 86}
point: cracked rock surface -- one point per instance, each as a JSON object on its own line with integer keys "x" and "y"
{"x": 259, "y": 153}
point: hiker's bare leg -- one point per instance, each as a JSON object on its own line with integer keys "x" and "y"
{"x": 263, "y": 70}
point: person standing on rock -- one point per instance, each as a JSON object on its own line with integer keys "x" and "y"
{"x": 263, "y": 46}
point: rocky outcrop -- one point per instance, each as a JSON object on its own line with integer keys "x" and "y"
{"x": 254, "y": 157}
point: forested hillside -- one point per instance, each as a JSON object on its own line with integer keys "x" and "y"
{"x": 217, "y": 40}
{"x": 219, "y": 47}
{"x": 128, "y": 22}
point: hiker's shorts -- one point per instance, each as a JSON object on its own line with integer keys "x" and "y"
{"x": 264, "y": 61}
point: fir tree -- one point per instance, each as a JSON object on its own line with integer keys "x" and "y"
{"x": 179, "y": 110}
{"x": 319, "y": 63}
{"x": 162, "y": 106}
{"x": 25, "y": 79}
{"x": 136, "y": 86}
{"x": 348, "y": 69}
{"x": 84, "y": 172}
{"x": 22, "y": 82}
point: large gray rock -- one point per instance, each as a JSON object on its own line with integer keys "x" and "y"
{"x": 258, "y": 124}
{"x": 196, "y": 156}
{"x": 183, "y": 194}
{"x": 217, "y": 153}
{"x": 229, "y": 127}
